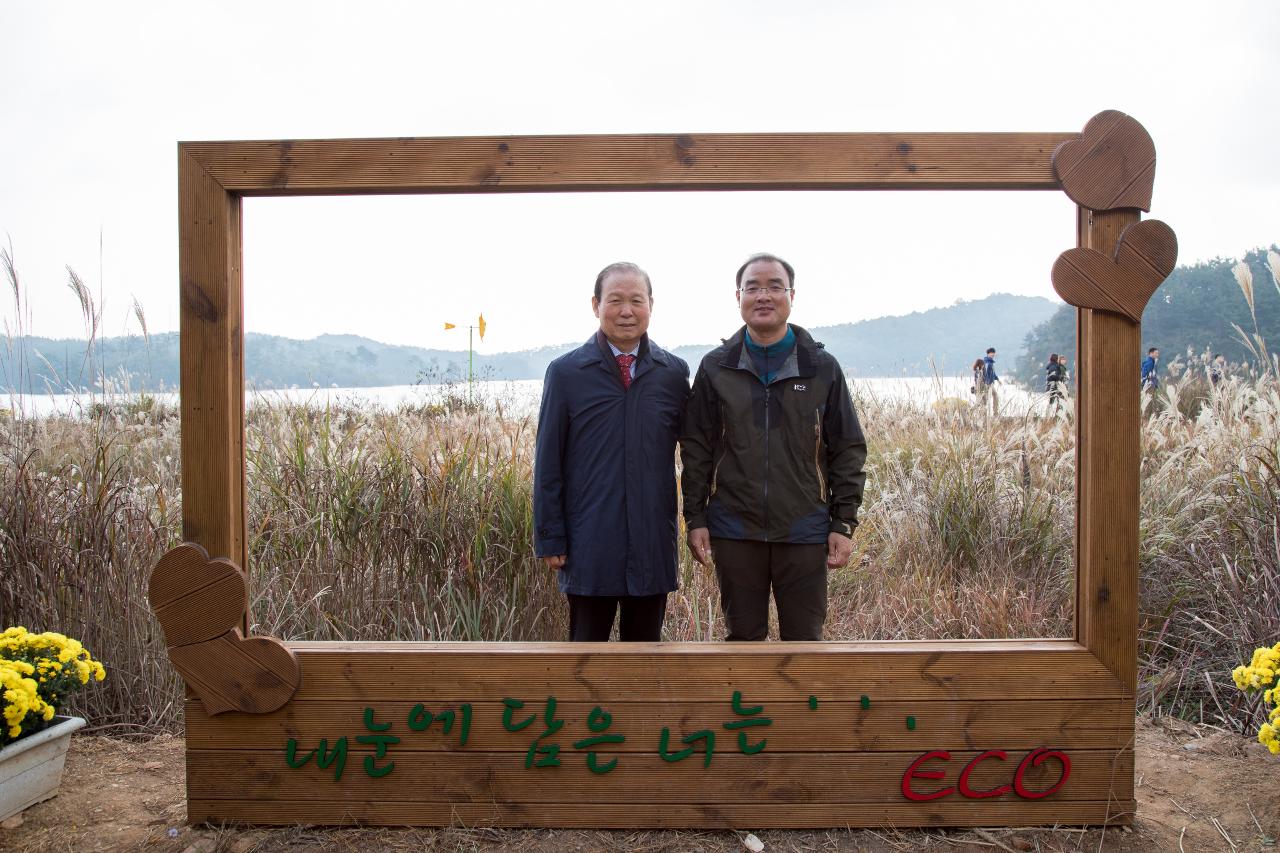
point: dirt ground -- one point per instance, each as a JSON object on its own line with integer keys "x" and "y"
{"x": 1197, "y": 789}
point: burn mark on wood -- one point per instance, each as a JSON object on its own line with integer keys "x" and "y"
{"x": 198, "y": 302}
{"x": 940, "y": 680}
{"x": 684, "y": 150}
{"x": 782, "y": 671}
{"x": 280, "y": 178}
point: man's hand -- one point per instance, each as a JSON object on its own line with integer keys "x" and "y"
{"x": 555, "y": 563}
{"x": 700, "y": 545}
{"x": 839, "y": 550}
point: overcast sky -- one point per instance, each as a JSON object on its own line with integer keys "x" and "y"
{"x": 94, "y": 97}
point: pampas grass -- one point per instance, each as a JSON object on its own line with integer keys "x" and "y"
{"x": 416, "y": 524}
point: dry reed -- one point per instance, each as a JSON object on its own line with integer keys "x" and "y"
{"x": 416, "y": 524}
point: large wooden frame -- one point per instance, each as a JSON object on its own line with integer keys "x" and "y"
{"x": 844, "y": 757}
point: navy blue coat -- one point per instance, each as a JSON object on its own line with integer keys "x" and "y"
{"x": 604, "y": 482}
{"x": 1149, "y": 367}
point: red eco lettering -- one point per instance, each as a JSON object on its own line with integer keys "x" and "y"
{"x": 912, "y": 772}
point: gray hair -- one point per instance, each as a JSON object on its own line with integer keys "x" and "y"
{"x": 621, "y": 266}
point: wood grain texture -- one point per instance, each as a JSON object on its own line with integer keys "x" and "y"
{"x": 229, "y": 673}
{"x": 800, "y": 161}
{"x": 858, "y": 777}
{"x": 1108, "y": 424}
{"x": 750, "y": 812}
{"x": 1112, "y": 165}
{"x": 832, "y": 727}
{"x": 195, "y": 598}
{"x": 212, "y": 364}
{"x": 1124, "y": 280}
{"x": 1006, "y": 669}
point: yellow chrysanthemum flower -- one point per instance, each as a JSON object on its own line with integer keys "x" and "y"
{"x": 59, "y": 665}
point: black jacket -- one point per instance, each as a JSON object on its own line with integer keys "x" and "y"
{"x": 777, "y": 463}
{"x": 1055, "y": 375}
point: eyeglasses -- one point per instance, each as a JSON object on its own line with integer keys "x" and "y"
{"x": 772, "y": 290}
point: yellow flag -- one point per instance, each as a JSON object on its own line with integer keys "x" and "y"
{"x": 448, "y": 326}
{"x": 482, "y": 325}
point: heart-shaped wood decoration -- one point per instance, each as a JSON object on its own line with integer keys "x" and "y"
{"x": 230, "y": 673}
{"x": 1145, "y": 255}
{"x": 199, "y": 603}
{"x": 195, "y": 598}
{"x": 1112, "y": 164}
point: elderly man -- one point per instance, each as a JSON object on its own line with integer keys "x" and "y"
{"x": 773, "y": 455}
{"x": 604, "y": 488}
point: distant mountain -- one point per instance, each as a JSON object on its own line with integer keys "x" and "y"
{"x": 941, "y": 340}
{"x": 348, "y": 361}
{"x": 912, "y": 345}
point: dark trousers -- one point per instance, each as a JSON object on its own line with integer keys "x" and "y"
{"x": 797, "y": 574}
{"x": 591, "y": 617}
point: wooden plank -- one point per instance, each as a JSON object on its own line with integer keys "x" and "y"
{"x": 354, "y": 812}
{"x": 769, "y": 650}
{"x": 796, "y": 161}
{"x": 834, "y": 726}
{"x": 1109, "y": 462}
{"x": 212, "y": 364}
{"x": 856, "y": 777}
{"x": 831, "y": 727}
{"x": 702, "y": 671}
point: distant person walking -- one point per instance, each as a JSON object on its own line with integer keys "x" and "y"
{"x": 989, "y": 380}
{"x": 979, "y": 386}
{"x": 1055, "y": 381}
{"x": 1150, "y": 366}
{"x": 1217, "y": 369}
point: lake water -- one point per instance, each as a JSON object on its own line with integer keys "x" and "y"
{"x": 520, "y": 397}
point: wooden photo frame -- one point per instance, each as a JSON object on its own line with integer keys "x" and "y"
{"x": 834, "y": 734}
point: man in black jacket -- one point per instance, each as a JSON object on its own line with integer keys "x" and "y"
{"x": 773, "y": 454}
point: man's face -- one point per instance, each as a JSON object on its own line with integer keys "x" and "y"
{"x": 623, "y": 308}
{"x": 764, "y": 297}
{"x": 992, "y": 355}
{"x": 1155, "y": 353}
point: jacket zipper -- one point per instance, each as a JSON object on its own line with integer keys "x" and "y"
{"x": 766, "y": 463}
{"x": 817, "y": 455}
{"x": 715, "y": 472}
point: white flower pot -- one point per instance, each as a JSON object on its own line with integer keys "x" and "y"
{"x": 31, "y": 767}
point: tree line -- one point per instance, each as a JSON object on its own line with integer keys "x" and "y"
{"x": 1194, "y": 310}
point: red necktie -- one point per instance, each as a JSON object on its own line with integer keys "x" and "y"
{"x": 624, "y": 365}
